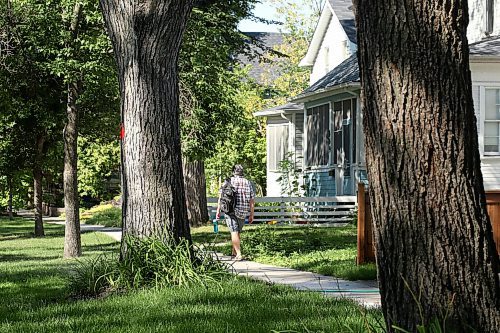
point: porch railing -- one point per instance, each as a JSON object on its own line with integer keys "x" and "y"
{"x": 300, "y": 210}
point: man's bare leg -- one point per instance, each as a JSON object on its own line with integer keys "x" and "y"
{"x": 236, "y": 242}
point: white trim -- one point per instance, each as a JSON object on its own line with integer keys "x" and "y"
{"x": 291, "y": 138}
{"x": 482, "y": 110}
{"x": 482, "y": 94}
{"x": 317, "y": 39}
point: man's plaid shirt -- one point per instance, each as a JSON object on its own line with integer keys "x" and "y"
{"x": 244, "y": 193}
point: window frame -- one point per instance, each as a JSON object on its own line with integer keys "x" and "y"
{"x": 483, "y": 120}
{"x": 268, "y": 145}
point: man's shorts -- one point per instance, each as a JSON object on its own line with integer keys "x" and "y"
{"x": 234, "y": 224}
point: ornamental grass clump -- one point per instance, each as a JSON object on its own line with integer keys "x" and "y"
{"x": 147, "y": 263}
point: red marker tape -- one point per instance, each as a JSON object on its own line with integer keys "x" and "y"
{"x": 122, "y": 132}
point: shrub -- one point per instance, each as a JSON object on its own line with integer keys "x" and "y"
{"x": 148, "y": 262}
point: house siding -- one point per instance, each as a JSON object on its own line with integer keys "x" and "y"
{"x": 319, "y": 183}
{"x": 334, "y": 49}
{"x": 485, "y": 75}
{"x": 476, "y": 30}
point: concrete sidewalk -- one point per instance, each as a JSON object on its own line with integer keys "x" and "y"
{"x": 365, "y": 293}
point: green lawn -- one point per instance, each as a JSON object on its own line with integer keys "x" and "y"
{"x": 35, "y": 297}
{"x": 324, "y": 250}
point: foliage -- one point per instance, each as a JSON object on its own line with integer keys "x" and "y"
{"x": 246, "y": 144}
{"x": 35, "y": 297}
{"x": 43, "y": 57}
{"x": 98, "y": 161}
{"x": 289, "y": 177}
{"x": 208, "y": 84}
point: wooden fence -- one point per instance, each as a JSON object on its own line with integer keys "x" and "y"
{"x": 300, "y": 210}
{"x": 493, "y": 207}
{"x": 366, "y": 244}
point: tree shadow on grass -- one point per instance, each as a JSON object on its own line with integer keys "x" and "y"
{"x": 239, "y": 306}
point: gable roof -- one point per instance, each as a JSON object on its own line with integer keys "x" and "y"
{"x": 488, "y": 47}
{"x": 345, "y": 13}
{"x": 265, "y": 41}
{"x": 339, "y": 9}
{"x": 344, "y": 74}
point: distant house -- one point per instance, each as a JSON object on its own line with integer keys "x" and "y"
{"x": 322, "y": 127}
{"x": 261, "y": 67}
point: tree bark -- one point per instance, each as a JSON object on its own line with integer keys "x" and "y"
{"x": 146, "y": 37}
{"x": 196, "y": 192}
{"x": 72, "y": 239}
{"x": 433, "y": 235}
{"x": 37, "y": 186}
{"x": 9, "y": 202}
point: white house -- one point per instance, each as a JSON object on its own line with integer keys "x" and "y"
{"x": 322, "y": 127}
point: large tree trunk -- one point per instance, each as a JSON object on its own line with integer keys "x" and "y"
{"x": 434, "y": 240}
{"x": 146, "y": 37}
{"x": 37, "y": 187}
{"x": 9, "y": 202}
{"x": 196, "y": 192}
{"x": 72, "y": 240}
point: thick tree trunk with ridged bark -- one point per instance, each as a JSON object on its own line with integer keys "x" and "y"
{"x": 72, "y": 239}
{"x": 146, "y": 37}
{"x": 196, "y": 192}
{"x": 434, "y": 239}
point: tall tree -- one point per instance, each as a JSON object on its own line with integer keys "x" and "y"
{"x": 146, "y": 37}
{"x": 435, "y": 250}
{"x": 72, "y": 239}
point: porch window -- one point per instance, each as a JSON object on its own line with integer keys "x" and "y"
{"x": 492, "y": 122}
{"x": 318, "y": 135}
{"x": 277, "y": 145}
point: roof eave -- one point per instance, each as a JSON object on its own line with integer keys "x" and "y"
{"x": 311, "y": 96}
{"x": 319, "y": 33}
{"x": 267, "y": 113}
{"x": 484, "y": 58}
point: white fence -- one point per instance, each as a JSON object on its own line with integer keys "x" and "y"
{"x": 298, "y": 210}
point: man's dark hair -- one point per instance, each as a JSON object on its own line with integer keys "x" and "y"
{"x": 238, "y": 170}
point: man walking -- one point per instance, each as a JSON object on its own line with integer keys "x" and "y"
{"x": 245, "y": 200}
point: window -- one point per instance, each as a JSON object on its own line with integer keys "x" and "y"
{"x": 277, "y": 143}
{"x": 318, "y": 135}
{"x": 492, "y": 122}
{"x": 344, "y": 126}
{"x": 490, "y": 15}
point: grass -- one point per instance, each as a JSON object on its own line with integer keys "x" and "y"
{"x": 33, "y": 283}
{"x": 324, "y": 250}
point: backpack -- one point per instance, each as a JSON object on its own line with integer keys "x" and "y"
{"x": 227, "y": 197}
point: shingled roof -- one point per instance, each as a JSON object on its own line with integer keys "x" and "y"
{"x": 486, "y": 47}
{"x": 346, "y": 72}
{"x": 265, "y": 41}
{"x": 345, "y": 13}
